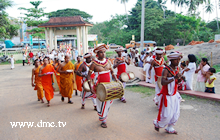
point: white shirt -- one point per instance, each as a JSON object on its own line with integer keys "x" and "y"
{"x": 189, "y": 75}
{"x": 24, "y": 57}
{"x": 61, "y": 56}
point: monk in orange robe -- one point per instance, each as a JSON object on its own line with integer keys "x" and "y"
{"x": 67, "y": 79}
{"x": 78, "y": 78}
{"x": 45, "y": 73}
{"x": 36, "y": 81}
{"x": 56, "y": 67}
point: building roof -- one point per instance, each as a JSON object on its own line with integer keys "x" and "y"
{"x": 65, "y": 22}
{"x": 149, "y": 41}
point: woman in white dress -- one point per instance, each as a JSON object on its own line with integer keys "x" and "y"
{"x": 12, "y": 62}
{"x": 190, "y": 71}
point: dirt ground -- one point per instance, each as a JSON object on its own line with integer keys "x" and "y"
{"x": 199, "y": 119}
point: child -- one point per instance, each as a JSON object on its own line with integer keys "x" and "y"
{"x": 182, "y": 66}
{"x": 182, "y": 84}
{"x": 29, "y": 61}
{"x": 12, "y": 62}
{"x": 209, "y": 81}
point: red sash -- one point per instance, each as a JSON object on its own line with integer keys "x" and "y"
{"x": 164, "y": 91}
{"x": 121, "y": 68}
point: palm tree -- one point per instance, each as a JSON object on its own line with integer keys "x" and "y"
{"x": 181, "y": 3}
{"x": 175, "y": 4}
{"x": 124, "y": 2}
{"x": 5, "y": 4}
{"x": 161, "y": 4}
{"x": 209, "y": 7}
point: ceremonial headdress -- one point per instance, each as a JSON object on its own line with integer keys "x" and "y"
{"x": 159, "y": 51}
{"x": 119, "y": 49}
{"x": 87, "y": 55}
{"x": 100, "y": 47}
{"x": 173, "y": 55}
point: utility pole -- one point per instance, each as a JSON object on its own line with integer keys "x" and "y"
{"x": 142, "y": 24}
{"x": 216, "y": 3}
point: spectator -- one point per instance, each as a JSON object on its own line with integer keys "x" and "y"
{"x": 182, "y": 84}
{"x": 141, "y": 58}
{"x": 165, "y": 57}
{"x": 148, "y": 60}
{"x": 136, "y": 62}
{"x": 209, "y": 81}
{"x": 24, "y": 58}
{"x": 31, "y": 55}
{"x": 12, "y": 62}
{"x": 202, "y": 69}
{"x": 190, "y": 71}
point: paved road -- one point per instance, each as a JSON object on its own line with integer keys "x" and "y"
{"x": 133, "y": 120}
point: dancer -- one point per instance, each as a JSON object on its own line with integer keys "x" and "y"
{"x": 158, "y": 65}
{"x": 36, "y": 81}
{"x": 83, "y": 72}
{"x": 102, "y": 68}
{"x": 120, "y": 63}
{"x": 169, "y": 108}
{"x": 67, "y": 79}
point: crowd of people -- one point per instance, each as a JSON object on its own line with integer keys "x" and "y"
{"x": 146, "y": 60}
{"x": 168, "y": 72}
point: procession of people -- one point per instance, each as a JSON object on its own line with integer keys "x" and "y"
{"x": 90, "y": 75}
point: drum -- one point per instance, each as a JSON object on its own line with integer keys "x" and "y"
{"x": 131, "y": 75}
{"x": 109, "y": 91}
{"x": 124, "y": 77}
{"x": 86, "y": 86}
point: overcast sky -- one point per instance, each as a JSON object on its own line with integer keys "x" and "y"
{"x": 100, "y": 9}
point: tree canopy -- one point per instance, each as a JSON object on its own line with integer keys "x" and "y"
{"x": 70, "y": 12}
{"x": 174, "y": 28}
{"x": 8, "y": 26}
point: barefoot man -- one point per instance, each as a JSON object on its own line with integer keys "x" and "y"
{"x": 158, "y": 65}
{"x": 67, "y": 79}
{"x": 45, "y": 73}
{"x": 78, "y": 78}
{"x": 36, "y": 81}
{"x": 102, "y": 68}
{"x": 169, "y": 108}
{"x": 83, "y": 72}
{"x": 120, "y": 63}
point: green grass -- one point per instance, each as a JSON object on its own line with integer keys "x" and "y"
{"x": 217, "y": 67}
{"x": 140, "y": 89}
{"x": 16, "y": 62}
{"x": 110, "y": 53}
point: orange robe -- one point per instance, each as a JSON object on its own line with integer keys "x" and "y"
{"x": 67, "y": 81}
{"x": 78, "y": 78}
{"x": 38, "y": 85}
{"x": 47, "y": 82}
{"x": 58, "y": 76}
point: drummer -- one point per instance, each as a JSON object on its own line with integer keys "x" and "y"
{"x": 83, "y": 72}
{"x": 120, "y": 63}
{"x": 158, "y": 64}
{"x": 102, "y": 68}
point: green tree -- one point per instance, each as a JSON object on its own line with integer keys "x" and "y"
{"x": 8, "y": 26}
{"x": 34, "y": 18}
{"x": 70, "y": 12}
{"x": 186, "y": 26}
